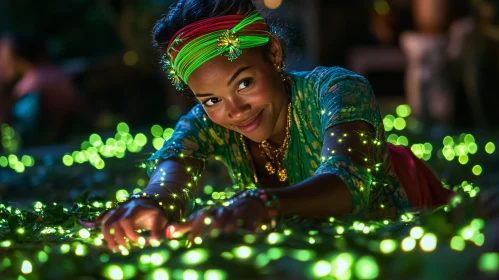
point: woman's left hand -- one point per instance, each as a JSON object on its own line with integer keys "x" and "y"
{"x": 248, "y": 214}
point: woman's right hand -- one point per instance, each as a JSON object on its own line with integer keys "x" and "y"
{"x": 122, "y": 222}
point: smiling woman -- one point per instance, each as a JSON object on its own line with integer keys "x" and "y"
{"x": 307, "y": 144}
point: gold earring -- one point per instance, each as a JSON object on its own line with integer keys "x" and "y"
{"x": 280, "y": 66}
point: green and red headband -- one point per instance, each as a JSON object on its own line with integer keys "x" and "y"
{"x": 203, "y": 40}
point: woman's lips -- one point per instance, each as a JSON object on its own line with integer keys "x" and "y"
{"x": 247, "y": 128}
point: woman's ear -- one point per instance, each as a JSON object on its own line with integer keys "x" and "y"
{"x": 274, "y": 50}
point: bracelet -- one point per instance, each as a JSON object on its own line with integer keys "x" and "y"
{"x": 270, "y": 201}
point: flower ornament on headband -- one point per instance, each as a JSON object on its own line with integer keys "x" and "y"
{"x": 228, "y": 45}
{"x": 197, "y": 43}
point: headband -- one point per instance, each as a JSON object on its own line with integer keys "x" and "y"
{"x": 203, "y": 40}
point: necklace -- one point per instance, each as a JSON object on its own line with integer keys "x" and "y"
{"x": 276, "y": 156}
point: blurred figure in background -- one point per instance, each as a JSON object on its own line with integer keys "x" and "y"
{"x": 474, "y": 63}
{"x": 38, "y": 99}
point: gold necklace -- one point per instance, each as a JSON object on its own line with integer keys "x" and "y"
{"x": 276, "y": 156}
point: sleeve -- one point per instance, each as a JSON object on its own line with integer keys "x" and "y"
{"x": 194, "y": 136}
{"x": 348, "y": 150}
{"x": 346, "y": 99}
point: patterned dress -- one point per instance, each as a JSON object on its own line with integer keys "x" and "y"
{"x": 321, "y": 98}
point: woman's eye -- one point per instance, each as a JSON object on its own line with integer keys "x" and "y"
{"x": 210, "y": 102}
{"x": 244, "y": 84}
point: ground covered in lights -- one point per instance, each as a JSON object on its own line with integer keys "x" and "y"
{"x": 43, "y": 196}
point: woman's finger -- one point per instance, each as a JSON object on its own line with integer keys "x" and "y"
{"x": 222, "y": 214}
{"x": 233, "y": 222}
{"x": 199, "y": 225}
{"x": 106, "y": 231}
{"x": 129, "y": 229}
{"x": 158, "y": 225}
{"x": 119, "y": 234}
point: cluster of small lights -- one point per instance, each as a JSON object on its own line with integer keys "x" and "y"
{"x": 17, "y": 164}
{"x": 11, "y": 141}
{"x": 160, "y": 135}
{"x": 95, "y": 149}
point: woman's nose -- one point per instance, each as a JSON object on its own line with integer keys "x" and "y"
{"x": 237, "y": 108}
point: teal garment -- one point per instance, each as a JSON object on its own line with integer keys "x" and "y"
{"x": 321, "y": 98}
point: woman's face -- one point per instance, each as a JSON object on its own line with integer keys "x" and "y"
{"x": 246, "y": 95}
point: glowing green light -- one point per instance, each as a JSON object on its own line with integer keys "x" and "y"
{"x": 26, "y": 267}
{"x": 168, "y": 133}
{"x": 156, "y": 130}
{"x": 477, "y": 170}
{"x": 489, "y": 148}
{"x": 402, "y": 140}
{"x": 214, "y": 274}
{"x": 121, "y": 195}
{"x": 273, "y": 238}
{"x": 429, "y": 242}
{"x": 469, "y": 139}
{"x": 95, "y": 140}
{"x": 249, "y": 238}
{"x": 157, "y": 143}
{"x": 81, "y": 250}
{"x": 65, "y": 248}
{"x": 275, "y": 253}
{"x": 190, "y": 274}
{"x": 113, "y": 272}
{"x": 403, "y": 110}
{"x": 140, "y": 139}
{"x": 399, "y": 124}
{"x": 20, "y": 230}
{"x": 303, "y": 255}
{"x": 27, "y": 160}
{"x": 160, "y": 274}
{"x": 6, "y": 243}
{"x": 448, "y": 141}
{"x": 457, "y": 243}
{"x": 195, "y": 256}
{"x": 123, "y": 127}
{"x": 340, "y": 230}
{"x": 408, "y": 244}
{"x": 208, "y": 189}
{"x": 387, "y": 246}
{"x": 366, "y": 268}
{"x": 3, "y": 161}
{"x": 463, "y": 159}
{"x": 19, "y": 167}
{"x": 243, "y": 252}
{"x": 489, "y": 262}
{"x": 322, "y": 268}
{"x": 417, "y": 232}
{"x": 67, "y": 160}
{"x": 157, "y": 259}
{"x": 42, "y": 256}
{"x": 477, "y": 224}
{"x": 84, "y": 233}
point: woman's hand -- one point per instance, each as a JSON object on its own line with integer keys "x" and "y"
{"x": 121, "y": 223}
{"x": 248, "y": 214}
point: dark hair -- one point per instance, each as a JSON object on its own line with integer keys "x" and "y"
{"x": 185, "y": 12}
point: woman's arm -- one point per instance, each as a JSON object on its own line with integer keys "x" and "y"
{"x": 173, "y": 182}
{"x": 327, "y": 194}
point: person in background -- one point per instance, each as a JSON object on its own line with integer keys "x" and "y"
{"x": 41, "y": 102}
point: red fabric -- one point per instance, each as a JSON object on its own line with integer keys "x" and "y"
{"x": 422, "y": 186}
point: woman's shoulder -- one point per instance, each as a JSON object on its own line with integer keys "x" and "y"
{"x": 324, "y": 74}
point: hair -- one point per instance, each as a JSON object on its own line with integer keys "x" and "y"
{"x": 186, "y": 12}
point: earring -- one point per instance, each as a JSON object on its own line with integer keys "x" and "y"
{"x": 279, "y": 66}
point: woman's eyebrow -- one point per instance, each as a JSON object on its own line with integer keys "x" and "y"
{"x": 237, "y": 74}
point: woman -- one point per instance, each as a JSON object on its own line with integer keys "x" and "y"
{"x": 312, "y": 143}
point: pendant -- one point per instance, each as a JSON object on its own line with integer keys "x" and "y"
{"x": 283, "y": 176}
{"x": 270, "y": 168}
